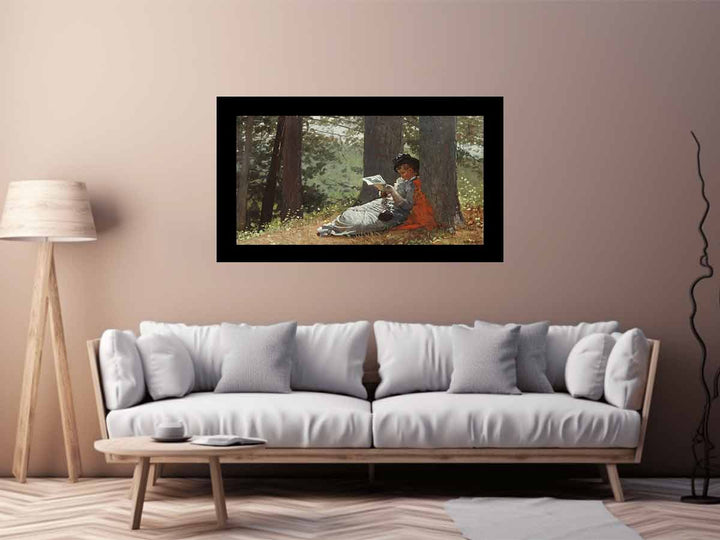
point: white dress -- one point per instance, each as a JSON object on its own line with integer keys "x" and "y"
{"x": 363, "y": 219}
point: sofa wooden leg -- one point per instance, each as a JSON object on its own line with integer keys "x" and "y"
{"x": 371, "y": 473}
{"x": 615, "y": 484}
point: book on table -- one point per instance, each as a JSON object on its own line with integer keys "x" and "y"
{"x": 226, "y": 440}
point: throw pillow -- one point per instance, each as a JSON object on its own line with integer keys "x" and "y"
{"x": 627, "y": 370}
{"x": 203, "y": 344}
{"x": 532, "y": 357}
{"x": 586, "y": 364}
{"x": 561, "y": 340}
{"x": 330, "y": 358}
{"x": 484, "y": 359}
{"x": 257, "y": 358}
{"x": 167, "y": 365}
{"x": 412, "y": 357}
{"x": 121, "y": 371}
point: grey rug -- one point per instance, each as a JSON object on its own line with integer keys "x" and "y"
{"x": 507, "y": 518}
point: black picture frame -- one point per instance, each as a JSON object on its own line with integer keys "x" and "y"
{"x": 490, "y": 107}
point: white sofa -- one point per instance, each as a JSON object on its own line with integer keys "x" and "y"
{"x": 417, "y": 427}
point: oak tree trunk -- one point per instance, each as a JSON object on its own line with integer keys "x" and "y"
{"x": 382, "y": 142}
{"x": 438, "y": 153}
{"x": 241, "y": 186}
{"x": 291, "y": 204}
{"x": 268, "y": 201}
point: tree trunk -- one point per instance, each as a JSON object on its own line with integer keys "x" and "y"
{"x": 383, "y": 141}
{"x": 241, "y": 186}
{"x": 291, "y": 204}
{"x": 438, "y": 153}
{"x": 268, "y": 201}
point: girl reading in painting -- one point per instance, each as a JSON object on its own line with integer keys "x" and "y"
{"x": 401, "y": 207}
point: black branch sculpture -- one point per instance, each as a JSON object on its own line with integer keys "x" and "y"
{"x": 702, "y": 445}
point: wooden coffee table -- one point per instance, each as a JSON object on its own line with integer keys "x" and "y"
{"x": 145, "y": 448}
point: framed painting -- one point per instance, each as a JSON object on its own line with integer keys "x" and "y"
{"x": 344, "y": 179}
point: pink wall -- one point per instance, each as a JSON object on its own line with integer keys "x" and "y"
{"x": 602, "y": 198}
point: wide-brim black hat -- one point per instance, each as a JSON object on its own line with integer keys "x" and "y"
{"x": 401, "y": 159}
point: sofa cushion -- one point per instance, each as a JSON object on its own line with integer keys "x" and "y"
{"x": 531, "y": 359}
{"x": 627, "y": 370}
{"x": 330, "y": 358}
{"x": 121, "y": 370}
{"x": 561, "y": 340}
{"x": 203, "y": 343}
{"x": 341, "y": 376}
{"x": 257, "y": 358}
{"x": 297, "y": 419}
{"x": 167, "y": 365}
{"x": 585, "y": 367}
{"x": 413, "y": 357}
{"x": 443, "y": 420}
{"x": 484, "y": 359}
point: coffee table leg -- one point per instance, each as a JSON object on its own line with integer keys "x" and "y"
{"x": 139, "y": 485}
{"x": 218, "y": 491}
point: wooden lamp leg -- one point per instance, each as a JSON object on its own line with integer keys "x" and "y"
{"x": 33, "y": 354}
{"x": 45, "y": 297}
{"x": 62, "y": 374}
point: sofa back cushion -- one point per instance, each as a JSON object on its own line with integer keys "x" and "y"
{"x": 413, "y": 357}
{"x": 327, "y": 355}
{"x": 121, "y": 370}
{"x": 257, "y": 358}
{"x": 561, "y": 340}
{"x": 330, "y": 358}
{"x": 167, "y": 365}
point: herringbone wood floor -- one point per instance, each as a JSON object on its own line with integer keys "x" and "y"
{"x": 315, "y": 508}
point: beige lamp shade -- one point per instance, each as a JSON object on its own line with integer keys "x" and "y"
{"x": 53, "y": 210}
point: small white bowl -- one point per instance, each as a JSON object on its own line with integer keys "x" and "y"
{"x": 170, "y": 430}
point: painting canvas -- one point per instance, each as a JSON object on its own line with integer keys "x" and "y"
{"x": 359, "y": 179}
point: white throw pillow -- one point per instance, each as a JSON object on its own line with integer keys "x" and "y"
{"x": 627, "y": 370}
{"x": 586, "y": 364}
{"x": 413, "y": 357}
{"x": 203, "y": 344}
{"x": 561, "y": 340}
{"x": 167, "y": 365}
{"x": 121, "y": 371}
{"x": 330, "y": 358}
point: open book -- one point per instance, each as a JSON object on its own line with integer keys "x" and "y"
{"x": 226, "y": 440}
{"x": 376, "y": 180}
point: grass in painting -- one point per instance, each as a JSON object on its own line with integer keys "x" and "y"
{"x": 303, "y": 231}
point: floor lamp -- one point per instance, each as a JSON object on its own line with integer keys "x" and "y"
{"x": 46, "y": 211}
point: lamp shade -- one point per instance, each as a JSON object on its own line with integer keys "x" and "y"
{"x": 53, "y": 210}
